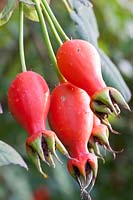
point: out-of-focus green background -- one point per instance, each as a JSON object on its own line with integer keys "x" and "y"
{"x": 115, "y": 177}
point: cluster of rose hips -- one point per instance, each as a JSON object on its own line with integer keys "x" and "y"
{"x": 77, "y": 111}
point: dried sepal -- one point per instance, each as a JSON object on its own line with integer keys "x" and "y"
{"x": 84, "y": 170}
{"x": 42, "y": 146}
{"x": 106, "y": 102}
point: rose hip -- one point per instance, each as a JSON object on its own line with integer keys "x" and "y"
{"x": 79, "y": 62}
{"x": 29, "y": 101}
{"x": 71, "y": 118}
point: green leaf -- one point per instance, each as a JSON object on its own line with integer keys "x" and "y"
{"x": 7, "y": 11}
{"x": 30, "y": 12}
{"x": 87, "y": 29}
{"x": 113, "y": 77}
{"x": 86, "y": 25}
{"x": 8, "y": 155}
{"x": 86, "y": 3}
{"x": 17, "y": 182}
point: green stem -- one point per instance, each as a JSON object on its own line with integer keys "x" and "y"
{"x": 21, "y": 37}
{"x": 47, "y": 40}
{"x": 55, "y": 21}
{"x": 51, "y": 24}
{"x": 67, "y": 6}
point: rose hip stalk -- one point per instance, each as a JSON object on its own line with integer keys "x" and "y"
{"x": 99, "y": 135}
{"x": 29, "y": 101}
{"x": 79, "y": 62}
{"x": 71, "y": 118}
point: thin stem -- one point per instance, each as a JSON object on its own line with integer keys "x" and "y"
{"x": 47, "y": 40}
{"x": 51, "y": 24}
{"x": 55, "y": 21}
{"x": 21, "y": 37}
{"x": 67, "y": 6}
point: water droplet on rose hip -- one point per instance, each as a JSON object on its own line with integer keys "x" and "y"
{"x": 63, "y": 98}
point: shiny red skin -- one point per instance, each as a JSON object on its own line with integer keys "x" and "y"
{"x": 29, "y": 100}
{"x": 79, "y": 62}
{"x": 71, "y": 118}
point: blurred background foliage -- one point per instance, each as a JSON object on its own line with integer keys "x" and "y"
{"x": 115, "y": 177}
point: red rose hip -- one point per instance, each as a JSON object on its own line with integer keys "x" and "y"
{"x": 71, "y": 118}
{"x": 79, "y": 62}
{"x": 29, "y": 101}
